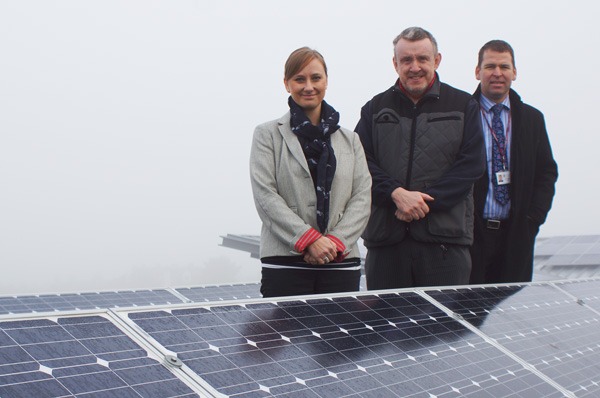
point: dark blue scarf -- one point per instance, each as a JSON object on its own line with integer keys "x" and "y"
{"x": 316, "y": 145}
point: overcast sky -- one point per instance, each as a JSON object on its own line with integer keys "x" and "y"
{"x": 125, "y": 126}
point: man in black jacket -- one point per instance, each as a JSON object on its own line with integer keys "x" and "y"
{"x": 515, "y": 194}
{"x": 424, "y": 147}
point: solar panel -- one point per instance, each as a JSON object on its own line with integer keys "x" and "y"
{"x": 84, "y": 301}
{"x": 595, "y": 249}
{"x": 575, "y": 249}
{"x": 567, "y": 257}
{"x": 387, "y": 345}
{"x": 242, "y": 291}
{"x": 220, "y": 292}
{"x": 84, "y": 357}
{"x": 560, "y": 240}
{"x": 541, "y": 325}
{"x": 589, "y": 259}
{"x": 587, "y": 239}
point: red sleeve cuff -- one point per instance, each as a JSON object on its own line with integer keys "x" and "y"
{"x": 341, "y": 248}
{"x": 307, "y": 239}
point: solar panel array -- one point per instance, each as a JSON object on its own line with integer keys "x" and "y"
{"x": 530, "y": 340}
{"x": 85, "y": 301}
{"x": 21, "y": 304}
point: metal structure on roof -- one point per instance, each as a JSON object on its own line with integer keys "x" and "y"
{"x": 247, "y": 243}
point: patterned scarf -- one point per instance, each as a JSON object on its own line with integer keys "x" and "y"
{"x": 316, "y": 145}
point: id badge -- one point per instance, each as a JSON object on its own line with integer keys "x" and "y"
{"x": 503, "y": 177}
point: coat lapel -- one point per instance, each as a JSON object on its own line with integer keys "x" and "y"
{"x": 516, "y": 140}
{"x": 291, "y": 141}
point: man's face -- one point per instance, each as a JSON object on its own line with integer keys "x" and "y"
{"x": 496, "y": 74}
{"x": 416, "y": 63}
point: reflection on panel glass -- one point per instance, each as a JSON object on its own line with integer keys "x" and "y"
{"x": 541, "y": 325}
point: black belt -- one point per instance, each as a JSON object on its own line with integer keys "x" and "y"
{"x": 496, "y": 224}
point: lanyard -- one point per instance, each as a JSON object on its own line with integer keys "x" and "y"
{"x": 501, "y": 148}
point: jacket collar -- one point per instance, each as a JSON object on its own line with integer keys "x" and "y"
{"x": 432, "y": 93}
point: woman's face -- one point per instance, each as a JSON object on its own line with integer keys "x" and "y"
{"x": 308, "y": 86}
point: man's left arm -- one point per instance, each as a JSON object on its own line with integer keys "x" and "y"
{"x": 546, "y": 174}
{"x": 469, "y": 166}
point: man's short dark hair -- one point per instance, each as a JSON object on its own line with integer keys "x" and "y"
{"x": 499, "y": 46}
{"x": 415, "y": 33}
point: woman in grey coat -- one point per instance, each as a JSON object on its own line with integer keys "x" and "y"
{"x": 312, "y": 189}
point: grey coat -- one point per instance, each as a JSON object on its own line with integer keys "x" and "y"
{"x": 284, "y": 192}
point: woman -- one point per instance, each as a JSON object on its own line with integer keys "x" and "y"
{"x": 312, "y": 189}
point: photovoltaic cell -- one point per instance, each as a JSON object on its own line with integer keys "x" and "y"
{"x": 83, "y": 357}
{"x": 541, "y": 325}
{"x": 388, "y": 345}
{"x": 84, "y": 301}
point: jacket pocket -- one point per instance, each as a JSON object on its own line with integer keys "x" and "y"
{"x": 386, "y": 116}
{"x": 449, "y": 224}
{"x": 383, "y": 227}
{"x": 434, "y": 119}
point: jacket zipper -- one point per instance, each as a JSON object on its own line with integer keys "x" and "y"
{"x": 411, "y": 153}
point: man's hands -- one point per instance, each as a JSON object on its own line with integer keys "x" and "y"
{"x": 410, "y": 205}
{"x": 321, "y": 251}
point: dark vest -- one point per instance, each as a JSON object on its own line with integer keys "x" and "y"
{"x": 416, "y": 145}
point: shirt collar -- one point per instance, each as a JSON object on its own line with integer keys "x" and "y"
{"x": 486, "y": 103}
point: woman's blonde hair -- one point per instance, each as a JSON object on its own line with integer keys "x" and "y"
{"x": 299, "y": 58}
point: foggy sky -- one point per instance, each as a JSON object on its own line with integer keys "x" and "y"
{"x": 125, "y": 126}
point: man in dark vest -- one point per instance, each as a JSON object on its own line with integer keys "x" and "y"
{"x": 424, "y": 147}
{"x": 515, "y": 194}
